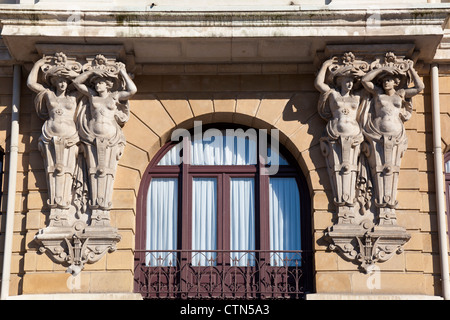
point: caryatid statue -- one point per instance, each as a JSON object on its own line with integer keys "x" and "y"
{"x": 56, "y": 103}
{"x": 339, "y": 104}
{"x": 107, "y": 87}
{"x": 382, "y": 122}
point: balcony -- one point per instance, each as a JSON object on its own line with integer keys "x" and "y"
{"x": 222, "y": 274}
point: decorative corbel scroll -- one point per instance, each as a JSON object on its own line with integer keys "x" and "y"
{"x": 363, "y": 144}
{"x": 84, "y": 107}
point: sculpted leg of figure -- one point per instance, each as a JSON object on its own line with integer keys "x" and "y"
{"x": 394, "y": 148}
{"x": 342, "y": 162}
{"x": 385, "y": 160}
{"x": 60, "y": 160}
{"x": 89, "y": 156}
{"x": 349, "y": 167}
{"x": 102, "y": 160}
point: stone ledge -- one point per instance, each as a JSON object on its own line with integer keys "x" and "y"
{"x": 79, "y": 296}
{"x": 346, "y": 296}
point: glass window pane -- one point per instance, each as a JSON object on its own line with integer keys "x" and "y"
{"x": 225, "y": 148}
{"x": 172, "y": 157}
{"x": 447, "y": 167}
{"x": 204, "y": 221}
{"x": 281, "y": 160}
{"x": 162, "y": 208}
{"x": 284, "y": 219}
{"x": 242, "y": 220}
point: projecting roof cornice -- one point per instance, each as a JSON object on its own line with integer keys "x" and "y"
{"x": 225, "y": 36}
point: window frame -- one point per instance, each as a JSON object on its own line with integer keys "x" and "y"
{"x": 186, "y": 172}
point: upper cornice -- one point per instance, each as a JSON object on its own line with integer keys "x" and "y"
{"x": 165, "y": 32}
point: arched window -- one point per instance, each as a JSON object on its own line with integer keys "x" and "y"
{"x": 218, "y": 212}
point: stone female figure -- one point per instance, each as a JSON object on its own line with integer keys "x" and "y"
{"x": 339, "y": 105}
{"x": 59, "y": 139}
{"x": 384, "y": 130}
{"x": 100, "y": 130}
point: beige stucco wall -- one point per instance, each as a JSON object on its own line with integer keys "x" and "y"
{"x": 284, "y": 100}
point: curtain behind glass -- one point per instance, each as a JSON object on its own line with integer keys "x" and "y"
{"x": 447, "y": 167}
{"x": 162, "y": 208}
{"x": 172, "y": 157}
{"x": 204, "y": 220}
{"x": 242, "y": 221}
{"x": 224, "y": 150}
{"x": 221, "y": 150}
{"x": 284, "y": 217}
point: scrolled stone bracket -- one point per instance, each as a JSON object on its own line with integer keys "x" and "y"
{"x": 75, "y": 248}
{"x": 366, "y": 245}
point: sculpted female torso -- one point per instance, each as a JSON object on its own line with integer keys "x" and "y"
{"x": 61, "y": 111}
{"x": 344, "y": 110}
{"x": 387, "y": 113}
{"x": 341, "y": 98}
{"x": 389, "y": 101}
{"x": 103, "y": 123}
{"x": 55, "y": 105}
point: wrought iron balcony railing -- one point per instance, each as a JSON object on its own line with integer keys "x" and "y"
{"x": 221, "y": 274}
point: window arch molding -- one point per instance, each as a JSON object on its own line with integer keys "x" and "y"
{"x": 185, "y": 172}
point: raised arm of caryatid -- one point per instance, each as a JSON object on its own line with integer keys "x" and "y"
{"x": 78, "y": 82}
{"x": 32, "y": 81}
{"x": 131, "y": 88}
{"x": 367, "y": 81}
{"x": 418, "y": 84}
{"x": 319, "y": 82}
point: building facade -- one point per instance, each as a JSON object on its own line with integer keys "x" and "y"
{"x": 269, "y": 149}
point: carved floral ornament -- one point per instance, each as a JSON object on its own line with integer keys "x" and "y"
{"x": 365, "y": 105}
{"x": 84, "y": 107}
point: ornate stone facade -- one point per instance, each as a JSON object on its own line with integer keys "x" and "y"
{"x": 365, "y": 104}
{"x": 84, "y": 107}
{"x": 236, "y": 63}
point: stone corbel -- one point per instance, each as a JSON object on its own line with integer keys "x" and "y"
{"x": 365, "y": 229}
{"x": 74, "y": 248}
{"x": 366, "y": 244}
{"x": 80, "y": 162}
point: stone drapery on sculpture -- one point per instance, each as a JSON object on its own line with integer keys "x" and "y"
{"x": 84, "y": 107}
{"x": 383, "y": 126}
{"x": 339, "y": 104}
{"x": 364, "y": 169}
{"x": 56, "y": 103}
{"x": 107, "y": 88}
